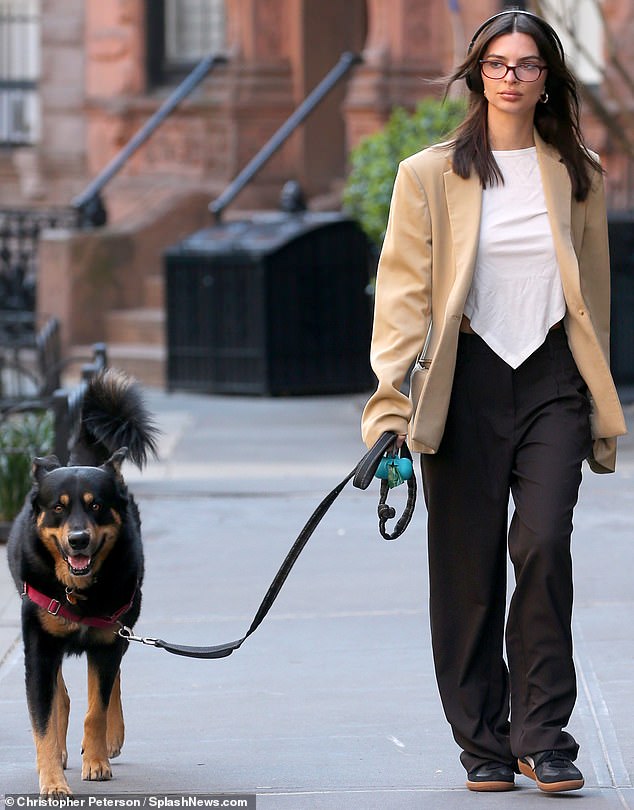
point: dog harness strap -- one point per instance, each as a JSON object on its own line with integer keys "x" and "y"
{"x": 362, "y": 473}
{"x": 56, "y": 608}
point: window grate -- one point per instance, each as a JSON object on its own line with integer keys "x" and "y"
{"x": 179, "y": 34}
{"x": 19, "y": 72}
{"x": 193, "y": 29}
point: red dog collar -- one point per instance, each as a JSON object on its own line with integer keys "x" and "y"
{"x": 56, "y": 608}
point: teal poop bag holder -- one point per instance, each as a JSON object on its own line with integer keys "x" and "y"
{"x": 383, "y": 461}
{"x": 394, "y": 469}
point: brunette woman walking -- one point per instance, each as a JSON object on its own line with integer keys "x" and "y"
{"x": 494, "y": 273}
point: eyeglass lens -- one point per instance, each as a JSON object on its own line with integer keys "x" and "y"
{"x": 523, "y": 73}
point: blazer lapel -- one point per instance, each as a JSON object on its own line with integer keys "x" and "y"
{"x": 558, "y": 196}
{"x": 464, "y": 205}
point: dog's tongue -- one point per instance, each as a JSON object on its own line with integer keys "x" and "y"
{"x": 80, "y": 562}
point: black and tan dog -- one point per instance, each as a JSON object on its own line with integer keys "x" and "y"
{"x": 76, "y": 557}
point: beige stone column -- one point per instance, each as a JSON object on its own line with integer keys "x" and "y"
{"x": 279, "y": 51}
{"x": 59, "y": 162}
{"x": 409, "y": 42}
{"x": 324, "y": 33}
{"x": 115, "y": 71}
{"x": 618, "y": 97}
{"x": 258, "y": 88}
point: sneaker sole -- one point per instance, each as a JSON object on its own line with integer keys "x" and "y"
{"x": 549, "y": 787}
{"x": 490, "y": 787}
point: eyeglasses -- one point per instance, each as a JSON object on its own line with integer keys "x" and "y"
{"x": 527, "y": 72}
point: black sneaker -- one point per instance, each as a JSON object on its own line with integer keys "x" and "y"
{"x": 491, "y": 776}
{"x": 552, "y": 770}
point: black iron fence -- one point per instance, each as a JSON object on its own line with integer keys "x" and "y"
{"x": 19, "y": 235}
{"x": 39, "y": 423}
{"x": 33, "y": 383}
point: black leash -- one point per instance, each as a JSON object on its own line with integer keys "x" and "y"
{"x": 362, "y": 475}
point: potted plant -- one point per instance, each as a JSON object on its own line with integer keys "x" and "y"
{"x": 22, "y": 437}
{"x": 374, "y": 161}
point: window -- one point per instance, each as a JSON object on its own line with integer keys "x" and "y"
{"x": 194, "y": 28}
{"x": 180, "y": 33}
{"x": 19, "y": 72}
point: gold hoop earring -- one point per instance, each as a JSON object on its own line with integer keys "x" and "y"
{"x": 544, "y": 97}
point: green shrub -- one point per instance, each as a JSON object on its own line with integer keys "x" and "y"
{"x": 375, "y": 159}
{"x": 22, "y": 437}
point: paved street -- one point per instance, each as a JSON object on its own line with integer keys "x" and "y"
{"x": 332, "y": 704}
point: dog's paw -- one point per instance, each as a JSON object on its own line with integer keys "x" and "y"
{"x": 114, "y": 740}
{"x": 54, "y": 788}
{"x": 95, "y": 770}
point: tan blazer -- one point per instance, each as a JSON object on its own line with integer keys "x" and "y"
{"x": 424, "y": 276}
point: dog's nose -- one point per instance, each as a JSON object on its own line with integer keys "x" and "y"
{"x": 78, "y": 540}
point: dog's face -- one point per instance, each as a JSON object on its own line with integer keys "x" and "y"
{"x": 78, "y": 515}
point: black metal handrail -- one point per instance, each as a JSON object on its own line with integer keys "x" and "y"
{"x": 346, "y": 61}
{"x": 89, "y": 204}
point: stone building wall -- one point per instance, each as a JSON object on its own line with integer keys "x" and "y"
{"x": 95, "y": 96}
{"x": 620, "y": 85}
{"x": 51, "y": 171}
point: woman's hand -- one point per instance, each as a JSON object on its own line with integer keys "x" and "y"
{"x": 400, "y": 440}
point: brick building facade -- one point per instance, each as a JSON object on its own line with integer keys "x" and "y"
{"x": 103, "y": 71}
{"x": 93, "y": 71}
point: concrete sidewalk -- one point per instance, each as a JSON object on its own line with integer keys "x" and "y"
{"x": 332, "y": 703}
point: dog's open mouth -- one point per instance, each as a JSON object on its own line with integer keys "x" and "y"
{"x": 82, "y": 564}
{"x": 79, "y": 564}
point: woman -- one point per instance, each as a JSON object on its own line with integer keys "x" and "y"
{"x": 495, "y": 267}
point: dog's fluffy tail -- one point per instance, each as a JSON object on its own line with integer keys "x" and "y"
{"x": 113, "y": 415}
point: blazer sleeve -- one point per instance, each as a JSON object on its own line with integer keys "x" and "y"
{"x": 594, "y": 268}
{"x": 402, "y": 306}
{"x": 594, "y": 264}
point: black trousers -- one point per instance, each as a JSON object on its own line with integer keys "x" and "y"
{"x": 521, "y": 433}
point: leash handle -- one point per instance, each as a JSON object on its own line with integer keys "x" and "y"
{"x": 387, "y": 512}
{"x": 365, "y": 469}
{"x": 364, "y": 474}
{"x": 221, "y": 651}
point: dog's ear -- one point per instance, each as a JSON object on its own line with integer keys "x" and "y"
{"x": 115, "y": 462}
{"x": 39, "y": 468}
{"x": 44, "y": 465}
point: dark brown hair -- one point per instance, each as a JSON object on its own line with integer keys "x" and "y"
{"x": 557, "y": 121}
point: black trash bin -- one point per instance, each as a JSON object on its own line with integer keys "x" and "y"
{"x": 621, "y": 232}
{"x": 276, "y": 305}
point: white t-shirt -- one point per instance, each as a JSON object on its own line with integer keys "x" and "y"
{"x": 516, "y": 293}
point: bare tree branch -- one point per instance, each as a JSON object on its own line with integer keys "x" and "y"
{"x": 619, "y": 124}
